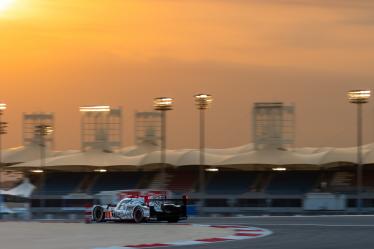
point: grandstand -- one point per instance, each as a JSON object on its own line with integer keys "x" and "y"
{"x": 270, "y": 176}
{"x": 225, "y": 182}
{"x": 248, "y": 179}
{"x": 297, "y": 182}
{"x": 230, "y": 182}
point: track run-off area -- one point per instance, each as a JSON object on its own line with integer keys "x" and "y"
{"x": 301, "y": 232}
{"x": 67, "y": 235}
{"x": 292, "y": 232}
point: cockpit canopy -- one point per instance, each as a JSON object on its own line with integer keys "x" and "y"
{"x": 130, "y": 202}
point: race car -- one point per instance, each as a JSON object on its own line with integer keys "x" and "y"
{"x": 142, "y": 209}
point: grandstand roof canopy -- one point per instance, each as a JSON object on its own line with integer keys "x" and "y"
{"x": 245, "y": 157}
{"x": 28, "y": 153}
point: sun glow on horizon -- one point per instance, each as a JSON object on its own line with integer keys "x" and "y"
{"x": 5, "y": 4}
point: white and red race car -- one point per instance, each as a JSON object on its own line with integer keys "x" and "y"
{"x": 142, "y": 208}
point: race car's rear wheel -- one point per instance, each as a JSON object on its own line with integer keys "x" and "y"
{"x": 98, "y": 214}
{"x": 138, "y": 215}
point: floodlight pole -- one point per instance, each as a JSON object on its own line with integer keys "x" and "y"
{"x": 163, "y": 149}
{"x": 359, "y": 97}
{"x": 202, "y": 152}
{"x": 1, "y": 166}
{"x": 202, "y": 102}
{"x": 359, "y": 157}
{"x": 42, "y": 149}
{"x": 163, "y": 104}
{"x": 2, "y": 132}
{"x": 43, "y": 130}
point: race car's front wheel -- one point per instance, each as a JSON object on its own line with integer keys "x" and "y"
{"x": 138, "y": 215}
{"x": 98, "y": 214}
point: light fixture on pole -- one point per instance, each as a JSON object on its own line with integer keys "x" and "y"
{"x": 37, "y": 171}
{"x": 359, "y": 97}
{"x": 279, "y": 169}
{"x": 100, "y": 170}
{"x": 212, "y": 169}
{"x": 94, "y": 126}
{"x": 203, "y": 101}
{"x": 163, "y": 104}
{"x": 96, "y": 108}
{"x": 3, "y": 126}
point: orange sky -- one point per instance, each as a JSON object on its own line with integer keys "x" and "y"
{"x": 58, "y": 55}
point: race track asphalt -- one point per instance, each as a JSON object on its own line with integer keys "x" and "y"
{"x": 330, "y": 232}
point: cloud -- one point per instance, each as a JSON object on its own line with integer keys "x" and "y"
{"x": 360, "y": 20}
{"x": 307, "y": 3}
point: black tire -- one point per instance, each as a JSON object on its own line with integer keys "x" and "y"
{"x": 138, "y": 215}
{"x": 169, "y": 209}
{"x": 173, "y": 220}
{"x": 98, "y": 214}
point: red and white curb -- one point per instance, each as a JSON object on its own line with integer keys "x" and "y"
{"x": 240, "y": 233}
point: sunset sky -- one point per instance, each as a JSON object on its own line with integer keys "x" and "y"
{"x": 59, "y": 54}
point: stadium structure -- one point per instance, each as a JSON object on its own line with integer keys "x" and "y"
{"x": 267, "y": 176}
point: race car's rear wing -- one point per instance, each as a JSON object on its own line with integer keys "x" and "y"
{"x": 179, "y": 201}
